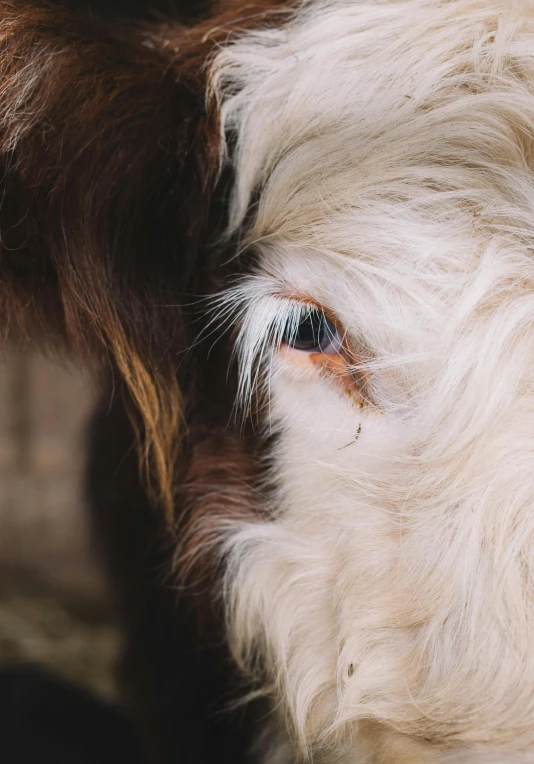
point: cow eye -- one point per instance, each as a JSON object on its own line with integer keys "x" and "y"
{"x": 314, "y": 333}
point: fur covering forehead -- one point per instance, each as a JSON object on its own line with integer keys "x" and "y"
{"x": 406, "y": 165}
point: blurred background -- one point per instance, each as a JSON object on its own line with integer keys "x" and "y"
{"x": 54, "y": 609}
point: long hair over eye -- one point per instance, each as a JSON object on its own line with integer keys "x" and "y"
{"x": 264, "y": 320}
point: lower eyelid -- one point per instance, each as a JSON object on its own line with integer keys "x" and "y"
{"x": 328, "y": 359}
{"x": 333, "y": 367}
{"x": 296, "y": 357}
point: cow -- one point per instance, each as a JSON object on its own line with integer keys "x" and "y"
{"x": 294, "y": 244}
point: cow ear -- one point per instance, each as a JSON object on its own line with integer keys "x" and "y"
{"x": 108, "y": 154}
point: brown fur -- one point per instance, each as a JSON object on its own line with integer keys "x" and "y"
{"x": 109, "y": 157}
{"x": 96, "y": 145}
{"x": 223, "y": 484}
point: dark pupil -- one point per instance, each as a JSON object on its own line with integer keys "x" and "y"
{"x": 313, "y": 332}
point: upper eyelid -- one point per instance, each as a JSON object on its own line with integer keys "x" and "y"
{"x": 309, "y": 302}
{"x": 306, "y": 301}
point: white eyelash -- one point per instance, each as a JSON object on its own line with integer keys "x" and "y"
{"x": 263, "y": 318}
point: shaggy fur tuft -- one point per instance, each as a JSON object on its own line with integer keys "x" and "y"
{"x": 384, "y": 170}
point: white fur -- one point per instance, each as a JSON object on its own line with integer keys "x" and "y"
{"x": 390, "y": 598}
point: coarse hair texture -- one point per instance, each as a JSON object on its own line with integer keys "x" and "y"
{"x": 110, "y": 153}
{"x": 94, "y": 131}
{"x": 384, "y": 171}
